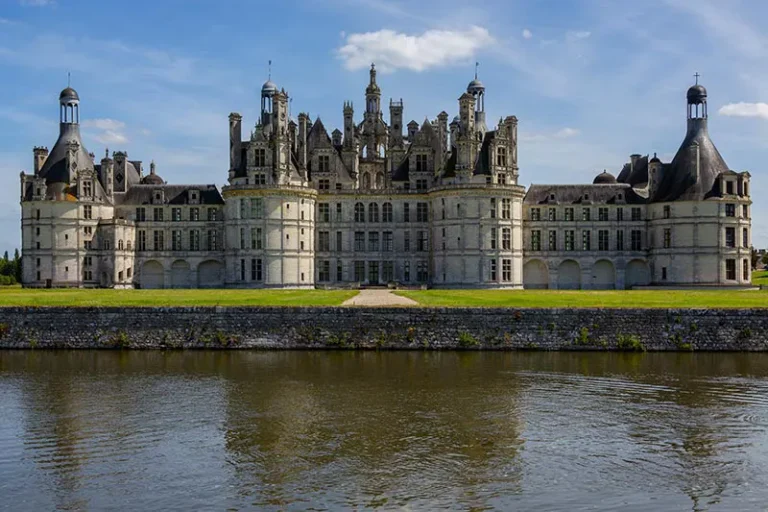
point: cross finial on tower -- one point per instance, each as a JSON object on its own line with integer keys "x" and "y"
{"x": 69, "y": 78}
{"x": 477, "y": 64}
{"x": 696, "y": 75}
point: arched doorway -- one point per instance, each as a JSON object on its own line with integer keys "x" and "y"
{"x": 603, "y": 276}
{"x": 569, "y": 275}
{"x": 637, "y": 274}
{"x": 180, "y": 274}
{"x": 210, "y": 274}
{"x": 152, "y": 275}
{"x": 535, "y": 275}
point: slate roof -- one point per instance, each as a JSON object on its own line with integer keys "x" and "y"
{"x": 575, "y": 194}
{"x": 55, "y": 169}
{"x": 483, "y": 162}
{"x": 174, "y": 194}
{"x": 636, "y": 176}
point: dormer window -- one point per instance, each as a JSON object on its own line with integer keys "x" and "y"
{"x": 87, "y": 192}
{"x": 501, "y": 156}
{"x": 323, "y": 163}
{"x": 421, "y": 163}
{"x": 551, "y": 197}
{"x": 729, "y": 187}
{"x": 260, "y": 157}
{"x": 586, "y": 197}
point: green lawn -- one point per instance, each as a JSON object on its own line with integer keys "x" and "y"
{"x": 589, "y": 299}
{"x": 16, "y": 296}
{"x": 760, "y": 277}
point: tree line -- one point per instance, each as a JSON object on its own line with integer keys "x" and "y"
{"x": 10, "y": 269}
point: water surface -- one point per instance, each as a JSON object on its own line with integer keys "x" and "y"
{"x": 109, "y": 430}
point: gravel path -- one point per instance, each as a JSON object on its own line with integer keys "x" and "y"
{"x": 378, "y": 298}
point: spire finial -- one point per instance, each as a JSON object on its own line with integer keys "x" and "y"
{"x": 269, "y": 77}
{"x": 69, "y": 78}
{"x": 696, "y": 75}
{"x": 477, "y": 64}
{"x": 106, "y": 153}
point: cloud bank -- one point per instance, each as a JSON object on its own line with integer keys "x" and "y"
{"x": 392, "y": 50}
{"x": 742, "y": 109}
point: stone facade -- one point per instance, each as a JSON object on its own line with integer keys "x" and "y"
{"x": 386, "y": 328}
{"x": 433, "y": 204}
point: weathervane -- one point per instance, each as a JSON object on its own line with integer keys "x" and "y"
{"x": 68, "y": 78}
{"x": 696, "y": 75}
{"x": 270, "y": 69}
{"x": 477, "y": 64}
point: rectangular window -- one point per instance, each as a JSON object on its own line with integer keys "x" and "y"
{"x": 730, "y": 237}
{"x": 194, "y": 214}
{"x": 663, "y": 273}
{"x": 506, "y": 208}
{"x": 619, "y": 214}
{"x": 535, "y": 214}
{"x": 637, "y": 213}
{"x": 493, "y": 239}
{"x": 324, "y": 184}
{"x": 667, "y": 211}
{"x": 388, "y": 271}
{"x": 87, "y": 212}
{"x": 602, "y": 240}
{"x": 212, "y": 243}
{"x": 176, "y": 240}
{"x": 745, "y": 211}
{"x": 194, "y": 240}
{"x": 359, "y": 241}
{"x": 667, "y": 238}
{"x": 407, "y": 271}
{"x": 157, "y": 214}
{"x": 729, "y": 187}
{"x": 745, "y": 270}
{"x": 373, "y": 241}
{"x": 323, "y": 241}
{"x": 88, "y": 244}
{"x": 730, "y": 270}
{"x": 256, "y": 239}
{"x": 141, "y": 214}
{"x": 175, "y": 214}
{"x": 388, "y": 244}
{"x": 324, "y": 212}
{"x": 422, "y": 241}
{"x": 386, "y": 212}
{"x": 360, "y": 271}
{"x": 730, "y": 210}
{"x": 324, "y": 271}
{"x": 493, "y": 208}
{"x": 257, "y": 270}
{"x": 602, "y": 214}
{"x": 243, "y": 241}
{"x": 506, "y": 239}
{"x": 552, "y": 214}
{"x": 87, "y": 188}
{"x": 422, "y": 271}
{"x": 407, "y": 241}
{"x": 506, "y": 270}
{"x": 406, "y": 212}
{"x": 257, "y": 207}
{"x": 142, "y": 240}
{"x": 338, "y": 241}
{"x": 493, "y": 270}
{"x": 553, "y": 240}
{"x": 373, "y": 272}
{"x": 586, "y": 239}
{"x": 242, "y": 270}
{"x": 422, "y": 212}
{"x": 87, "y": 261}
{"x": 585, "y": 214}
{"x": 535, "y": 240}
{"x": 339, "y": 271}
{"x": 636, "y": 240}
{"x": 323, "y": 163}
{"x": 501, "y": 179}
{"x": 421, "y": 164}
{"x": 260, "y": 157}
{"x": 569, "y": 214}
{"x": 338, "y": 212}
{"x": 570, "y": 240}
{"x": 158, "y": 240}
{"x": 745, "y": 237}
{"x": 501, "y": 156}
{"x": 619, "y": 240}
{"x": 213, "y": 214}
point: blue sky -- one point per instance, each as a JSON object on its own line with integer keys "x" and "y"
{"x": 590, "y": 81}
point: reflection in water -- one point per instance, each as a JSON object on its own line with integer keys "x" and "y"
{"x": 391, "y": 430}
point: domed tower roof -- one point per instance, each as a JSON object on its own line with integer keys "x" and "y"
{"x": 68, "y": 95}
{"x": 269, "y": 88}
{"x": 604, "y": 178}
{"x": 696, "y": 94}
{"x": 152, "y": 178}
{"x": 475, "y": 87}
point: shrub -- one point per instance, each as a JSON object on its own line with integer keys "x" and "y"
{"x": 466, "y": 340}
{"x": 630, "y": 343}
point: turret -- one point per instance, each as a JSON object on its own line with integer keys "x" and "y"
{"x": 349, "y": 124}
{"x": 442, "y": 134}
{"x": 302, "y": 143}
{"x": 372, "y": 95}
{"x": 108, "y": 173}
{"x": 396, "y": 123}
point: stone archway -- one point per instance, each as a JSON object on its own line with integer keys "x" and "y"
{"x": 603, "y": 275}
{"x": 637, "y": 274}
{"x": 180, "y": 274}
{"x": 210, "y": 274}
{"x": 569, "y": 275}
{"x": 535, "y": 275}
{"x": 152, "y": 275}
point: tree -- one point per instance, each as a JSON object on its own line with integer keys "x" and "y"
{"x": 754, "y": 257}
{"x": 17, "y": 265}
{"x": 765, "y": 259}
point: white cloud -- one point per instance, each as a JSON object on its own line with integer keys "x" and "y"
{"x": 36, "y": 3}
{"x": 742, "y": 109}
{"x": 563, "y": 133}
{"x": 391, "y": 50}
{"x": 527, "y": 34}
{"x": 110, "y": 130}
{"x": 577, "y": 35}
{"x": 566, "y": 133}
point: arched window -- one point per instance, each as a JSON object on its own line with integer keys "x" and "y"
{"x": 373, "y": 212}
{"x": 120, "y": 245}
{"x": 366, "y": 180}
{"x": 128, "y": 245}
{"x": 359, "y": 212}
{"x": 386, "y": 212}
{"x": 382, "y": 152}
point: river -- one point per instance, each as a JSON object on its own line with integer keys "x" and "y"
{"x": 237, "y": 430}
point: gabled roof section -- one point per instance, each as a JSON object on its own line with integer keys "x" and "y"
{"x": 582, "y": 194}
{"x": 318, "y": 136}
{"x": 174, "y": 194}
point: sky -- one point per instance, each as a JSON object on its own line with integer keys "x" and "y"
{"x": 591, "y": 81}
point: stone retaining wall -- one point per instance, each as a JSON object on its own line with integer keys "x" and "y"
{"x": 385, "y": 328}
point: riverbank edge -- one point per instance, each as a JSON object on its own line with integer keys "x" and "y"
{"x": 384, "y": 328}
